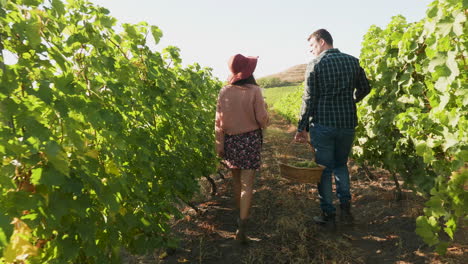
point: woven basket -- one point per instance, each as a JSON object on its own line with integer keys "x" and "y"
{"x": 299, "y": 174}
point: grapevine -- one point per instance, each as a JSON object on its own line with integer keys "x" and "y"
{"x": 414, "y": 122}
{"x": 100, "y": 136}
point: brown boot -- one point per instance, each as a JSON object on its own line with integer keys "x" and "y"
{"x": 241, "y": 230}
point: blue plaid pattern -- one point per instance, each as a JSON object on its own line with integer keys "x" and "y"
{"x": 335, "y": 82}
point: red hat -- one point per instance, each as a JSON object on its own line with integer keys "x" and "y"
{"x": 241, "y": 67}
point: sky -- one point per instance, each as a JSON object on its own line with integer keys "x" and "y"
{"x": 209, "y": 32}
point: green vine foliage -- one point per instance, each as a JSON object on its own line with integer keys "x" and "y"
{"x": 415, "y": 119}
{"x": 414, "y": 122}
{"x": 99, "y": 135}
{"x": 290, "y": 104}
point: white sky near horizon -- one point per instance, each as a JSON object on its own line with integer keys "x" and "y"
{"x": 210, "y": 31}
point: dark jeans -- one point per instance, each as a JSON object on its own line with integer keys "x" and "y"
{"x": 332, "y": 148}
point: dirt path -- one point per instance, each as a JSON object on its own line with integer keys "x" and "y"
{"x": 281, "y": 227}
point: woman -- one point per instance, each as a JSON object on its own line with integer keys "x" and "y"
{"x": 241, "y": 115}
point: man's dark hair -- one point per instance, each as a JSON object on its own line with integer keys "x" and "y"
{"x": 322, "y": 34}
{"x": 249, "y": 80}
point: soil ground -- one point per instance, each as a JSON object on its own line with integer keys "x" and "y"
{"x": 281, "y": 227}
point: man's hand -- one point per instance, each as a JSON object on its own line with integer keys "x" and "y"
{"x": 301, "y": 137}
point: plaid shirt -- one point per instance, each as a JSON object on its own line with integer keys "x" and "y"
{"x": 329, "y": 96}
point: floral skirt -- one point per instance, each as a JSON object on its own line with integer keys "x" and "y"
{"x": 242, "y": 151}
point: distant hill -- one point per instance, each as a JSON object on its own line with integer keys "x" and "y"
{"x": 294, "y": 74}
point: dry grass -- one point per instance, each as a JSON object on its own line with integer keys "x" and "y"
{"x": 294, "y": 74}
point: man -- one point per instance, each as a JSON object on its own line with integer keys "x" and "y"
{"x": 335, "y": 82}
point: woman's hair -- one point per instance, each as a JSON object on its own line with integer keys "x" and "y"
{"x": 250, "y": 80}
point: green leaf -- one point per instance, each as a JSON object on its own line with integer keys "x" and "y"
{"x": 68, "y": 247}
{"x": 6, "y": 229}
{"x": 452, "y": 64}
{"x": 441, "y": 71}
{"x": 21, "y": 200}
{"x": 58, "y": 7}
{"x": 58, "y": 57}
{"x": 450, "y": 140}
{"x": 435, "y": 208}
{"x": 7, "y": 172}
{"x": 450, "y": 228}
{"x": 426, "y": 152}
{"x": 463, "y": 155}
{"x": 442, "y": 84}
{"x": 424, "y": 230}
{"x": 30, "y": 217}
{"x": 44, "y": 92}
{"x": 35, "y": 143}
{"x": 441, "y": 248}
{"x": 131, "y": 31}
{"x": 145, "y": 222}
{"x": 432, "y": 12}
{"x": 32, "y": 2}
{"x": 9, "y": 107}
{"x": 439, "y": 60}
{"x": 36, "y": 176}
{"x": 157, "y": 34}
{"x": 57, "y": 157}
{"x": 107, "y": 21}
{"x": 33, "y": 33}
{"x": 444, "y": 28}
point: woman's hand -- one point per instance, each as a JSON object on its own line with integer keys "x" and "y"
{"x": 220, "y": 152}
